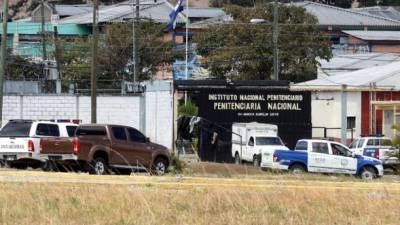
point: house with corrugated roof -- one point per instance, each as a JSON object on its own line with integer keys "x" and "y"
{"x": 346, "y": 63}
{"x": 355, "y": 31}
{"x": 371, "y": 98}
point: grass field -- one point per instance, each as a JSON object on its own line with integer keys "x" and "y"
{"x": 30, "y": 197}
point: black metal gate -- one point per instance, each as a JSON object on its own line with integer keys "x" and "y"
{"x": 221, "y": 106}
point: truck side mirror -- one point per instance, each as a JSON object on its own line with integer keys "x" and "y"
{"x": 147, "y": 139}
{"x": 353, "y": 154}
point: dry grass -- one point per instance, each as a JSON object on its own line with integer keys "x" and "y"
{"x": 60, "y": 198}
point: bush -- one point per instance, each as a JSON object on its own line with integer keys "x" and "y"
{"x": 188, "y": 109}
{"x": 176, "y": 165}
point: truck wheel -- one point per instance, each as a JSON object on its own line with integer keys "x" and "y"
{"x": 159, "y": 167}
{"x": 297, "y": 168}
{"x": 98, "y": 167}
{"x": 368, "y": 173}
{"x": 256, "y": 161}
{"x": 237, "y": 159}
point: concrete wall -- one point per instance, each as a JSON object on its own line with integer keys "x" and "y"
{"x": 156, "y": 122}
{"x": 326, "y": 112}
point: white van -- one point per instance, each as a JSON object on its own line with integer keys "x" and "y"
{"x": 251, "y": 140}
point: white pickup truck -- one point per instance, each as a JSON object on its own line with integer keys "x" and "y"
{"x": 323, "y": 156}
{"x": 249, "y": 140}
{"x": 377, "y": 147}
{"x": 20, "y": 141}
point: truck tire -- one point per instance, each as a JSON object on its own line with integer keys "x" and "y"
{"x": 297, "y": 168}
{"x": 159, "y": 167}
{"x": 368, "y": 173}
{"x": 237, "y": 159}
{"x": 256, "y": 160}
{"x": 98, "y": 167}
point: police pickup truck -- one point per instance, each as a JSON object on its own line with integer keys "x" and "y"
{"x": 21, "y": 141}
{"x": 323, "y": 156}
{"x": 378, "y": 147}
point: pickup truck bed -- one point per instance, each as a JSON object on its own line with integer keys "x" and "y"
{"x": 288, "y": 158}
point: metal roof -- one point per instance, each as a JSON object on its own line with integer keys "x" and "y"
{"x": 328, "y": 15}
{"x": 221, "y": 19}
{"x": 158, "y": 11}
{"x": 382, "y": 77}
{"x": 387, "y": 12}
{"x": 203, "y": 12}
{"x": 359, "y": 61}
{"x": 374, "y": 35}
{"x": 72, "y": 10}
{"x": 351, "y": 62}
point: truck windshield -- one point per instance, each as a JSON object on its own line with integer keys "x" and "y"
{"x": 16, "y": 129}
{"x": 268, "y": 141}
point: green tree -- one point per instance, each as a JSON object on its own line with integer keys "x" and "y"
{"x": 241, "y": 50}
{"x": 115, "y": 54}
{"x": 188, "y": 109}
{"x": 20, "y": 68}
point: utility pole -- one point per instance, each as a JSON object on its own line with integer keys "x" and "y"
{"x": 275, "y": 40}
{"x": 3, "y": 55}
{"x": 343, "y": 120}
{"x": 43, "y": 30}
{"x": 93, "y": 74}
{"x": 57, "y": 58}
{"x": 187, "y": 46}
{"x": 135, "y": 33}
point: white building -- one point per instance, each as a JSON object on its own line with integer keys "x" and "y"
{"x": 373, "y": 101}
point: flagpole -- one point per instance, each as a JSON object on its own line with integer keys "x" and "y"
{"x": 187, "y": 45}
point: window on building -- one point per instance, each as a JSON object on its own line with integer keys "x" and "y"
{"x": 351, "y": 122}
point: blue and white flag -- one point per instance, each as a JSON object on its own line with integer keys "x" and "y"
{"x": 172, "y": 22}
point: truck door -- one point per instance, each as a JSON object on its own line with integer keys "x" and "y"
{"x": 140, "y": 147}
{"x": 249, "y": 150}
{"x": 120, "y": 147}
{"x": 343, "y": 162}
{"x": 318, "y": 157}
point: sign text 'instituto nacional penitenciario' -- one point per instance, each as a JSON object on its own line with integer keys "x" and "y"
{"x": 254, "y": 102}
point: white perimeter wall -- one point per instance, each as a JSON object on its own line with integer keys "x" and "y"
{"x": 156, "y": 121}
{"x": 327, "y": 113}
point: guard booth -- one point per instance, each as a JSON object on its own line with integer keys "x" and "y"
{"x": 222, "y": 103}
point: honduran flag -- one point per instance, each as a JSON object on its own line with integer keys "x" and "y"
{"x": 172, "y": 22}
